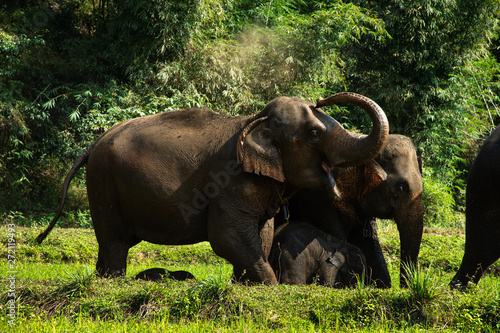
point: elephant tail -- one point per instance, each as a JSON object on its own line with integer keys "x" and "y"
{"x": 71, "y": 174}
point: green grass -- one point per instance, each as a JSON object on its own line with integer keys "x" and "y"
{"x": 422, "y": 284}
{"x": 56, "y": 290}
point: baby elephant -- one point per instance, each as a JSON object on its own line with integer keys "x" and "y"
{"x": 303, "y": 254}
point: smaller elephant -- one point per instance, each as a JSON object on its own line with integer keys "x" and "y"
{"x": 303, "y": 254}
{"x": 157, "y": 274}
{"x": 388, "y": 187}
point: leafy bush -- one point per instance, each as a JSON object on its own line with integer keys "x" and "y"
{"x": 69, "y": 70}
{"x": 438, "y": 202}
{"x": 75, "y": 285}
{"x": 211, "y": 297}
{"x": 434, "y": 77}
{"x": 423, "y": 286}
{"x": 141, "y": 33}
{"x": 288, "y": 54}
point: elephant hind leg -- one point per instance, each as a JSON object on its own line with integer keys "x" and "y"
{"x": 112, "y": 260}
{"x": 472, "y": 268}
{"x": 481, "y": 250}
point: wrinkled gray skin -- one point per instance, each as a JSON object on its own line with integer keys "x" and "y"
{"x": 192, "y": 175}
{"x": 303, "y": 254}
{"x": 482, "y": 214}
{"x": 390, "y": 187}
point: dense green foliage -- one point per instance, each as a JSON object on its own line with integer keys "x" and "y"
{"x": 435, "y": 77}
{"x": 57, "y": 291}
{"x": 71, "y": 69}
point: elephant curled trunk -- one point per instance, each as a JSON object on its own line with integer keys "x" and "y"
{"x": 351, "y": 149}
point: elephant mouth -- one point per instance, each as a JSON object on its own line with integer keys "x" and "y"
{"x": 328, "y": 173}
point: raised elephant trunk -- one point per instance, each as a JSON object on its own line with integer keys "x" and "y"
{"x": 351, "y": 150}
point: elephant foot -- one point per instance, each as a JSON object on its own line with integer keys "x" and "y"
{"x": 244, "y": 277}
{"x": 110, "y": 273}
{"x": 461, "y": 281}
{"x": 157, "y": 274}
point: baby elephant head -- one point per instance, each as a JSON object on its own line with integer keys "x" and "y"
{"x": 351, "y": 265}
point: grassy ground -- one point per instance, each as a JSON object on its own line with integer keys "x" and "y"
{"x": 55, "y": 290}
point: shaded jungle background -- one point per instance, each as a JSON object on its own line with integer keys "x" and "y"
{"x": 70, "y": 69}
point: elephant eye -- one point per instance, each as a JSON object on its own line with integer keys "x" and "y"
{"x": 314, "y": 135}
{"x": 402, "y": 186}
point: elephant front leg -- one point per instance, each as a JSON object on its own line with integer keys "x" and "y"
{"x": 369, "y": 244}
{"x": 266, "y": 234}
{"x": 259, "y": 272}
{"x": 238, "y": 241}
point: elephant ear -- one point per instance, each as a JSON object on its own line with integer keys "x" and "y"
{"x": 373, "y": 176}
{"x": 257, "y": 151}
{"x": 419, "y": 160}
{"x": 337, "y": 259}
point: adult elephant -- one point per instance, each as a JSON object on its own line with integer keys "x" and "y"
{"x": 193, "y": 175}
{"x": 482, "y": 214}
{"x": 389, "y": 187}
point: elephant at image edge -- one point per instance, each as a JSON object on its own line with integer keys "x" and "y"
{"x": 482, "y": 214}
{"x": 303, "y": 254}
{"x": 192, "y": 175}
{"x": 390, "y": 187}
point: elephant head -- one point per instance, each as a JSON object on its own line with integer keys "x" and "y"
{"x": 390, "y": 187}
{"x": 353, "y": 269}
{"x": 295, "y": 141}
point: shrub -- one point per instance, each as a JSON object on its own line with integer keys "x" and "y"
{"x": 211, "y": 298}
{"x": 423, "y": 286}
{"x": 439, "y": 204}
{"x": 76, "y": 284}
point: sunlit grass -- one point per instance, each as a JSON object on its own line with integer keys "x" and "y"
{"x": 422, "y": 283}
{"x": 60, "y": 293}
